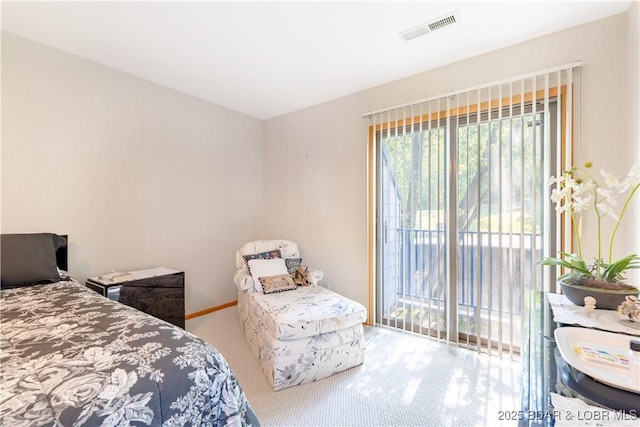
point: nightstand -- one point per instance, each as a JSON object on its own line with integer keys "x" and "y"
{"x": 156, "y": 291}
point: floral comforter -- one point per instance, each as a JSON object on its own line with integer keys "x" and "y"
{"x": 70, "y": 357}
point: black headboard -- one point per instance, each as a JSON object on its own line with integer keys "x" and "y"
{"x": 61, "y": 254}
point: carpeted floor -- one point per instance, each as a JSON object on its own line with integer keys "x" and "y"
{"x": 406, "y": 380}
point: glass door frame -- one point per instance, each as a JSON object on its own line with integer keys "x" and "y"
{"x": 377, "y": 232}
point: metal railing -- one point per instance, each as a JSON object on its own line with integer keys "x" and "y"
{"x": 486, "y": 261}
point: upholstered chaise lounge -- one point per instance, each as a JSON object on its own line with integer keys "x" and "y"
{"x": 300, "y": 334}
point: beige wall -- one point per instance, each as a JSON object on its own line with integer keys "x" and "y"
{"x": 137, "y": 174}
{"x": 315, "y": 181}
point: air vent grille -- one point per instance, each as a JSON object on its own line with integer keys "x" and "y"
{"x": 427, "y": 27}
{"x": 448, "y": 20}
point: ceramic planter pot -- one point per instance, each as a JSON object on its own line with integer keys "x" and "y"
{"x": 605, "y": 298}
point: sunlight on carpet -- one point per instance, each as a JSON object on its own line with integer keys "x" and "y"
{"x": 406, "y": 380}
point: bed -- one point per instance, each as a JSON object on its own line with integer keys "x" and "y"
{"x": 71, "y": 357}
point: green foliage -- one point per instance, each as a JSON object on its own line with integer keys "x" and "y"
{"x": 571, "y": 262}
{"x": 416, "y": 160}
{"x": 485, "y": 192}
{"x": 613, "y": 272}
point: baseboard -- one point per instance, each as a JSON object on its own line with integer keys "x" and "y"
{"x": 210, "y": 310}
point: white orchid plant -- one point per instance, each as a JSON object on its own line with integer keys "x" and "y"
{"x": 578, "y": 192}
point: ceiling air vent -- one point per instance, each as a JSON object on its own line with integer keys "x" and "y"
{"x": 427, "y": 27}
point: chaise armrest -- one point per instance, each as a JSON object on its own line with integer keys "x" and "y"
{"x": 243, "y": 280}
{"x": 314, "y": 276}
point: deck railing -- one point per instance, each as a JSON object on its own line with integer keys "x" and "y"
{"x": 493, "y": 270}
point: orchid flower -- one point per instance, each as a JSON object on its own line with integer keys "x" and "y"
{"x": 576, "y": 193}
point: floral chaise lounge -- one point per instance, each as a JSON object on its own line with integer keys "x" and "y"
{"x": 299, "y": 333}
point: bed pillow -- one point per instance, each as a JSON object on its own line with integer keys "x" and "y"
{"x": 29, "y": 259}
{"x": 275, "y": 253}
{"x": 279, "y": 283}
{"x": 264, "y": 268}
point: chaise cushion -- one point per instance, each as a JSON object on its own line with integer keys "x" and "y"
{"x": 287, "y": 363}
{"x": 305, "y": 311}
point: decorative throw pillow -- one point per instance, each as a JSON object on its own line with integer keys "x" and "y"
{"x": 265, "y": 267}
{"x": 275, "y": 253}
{"x": 279, "y": 283}
{"x": 293, "y": 264}
{"x": 29, "y": 259}
{"x": 300, "y": 276}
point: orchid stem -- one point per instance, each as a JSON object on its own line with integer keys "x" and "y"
{"x": 576, "y": 230}
{"x": 615, "y": 229}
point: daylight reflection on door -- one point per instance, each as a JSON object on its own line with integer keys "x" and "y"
{"x": 460, "y": 209}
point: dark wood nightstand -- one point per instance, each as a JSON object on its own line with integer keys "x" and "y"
{"x": 156, "y": 291}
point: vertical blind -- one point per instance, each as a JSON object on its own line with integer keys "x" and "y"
{"x": 459, "y": 208}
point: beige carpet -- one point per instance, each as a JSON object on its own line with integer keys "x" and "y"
{"x": 406, "y": 380}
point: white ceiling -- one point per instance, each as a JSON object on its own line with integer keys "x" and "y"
{"x": 269, "y": 58}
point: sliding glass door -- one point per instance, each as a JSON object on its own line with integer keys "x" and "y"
{"x": 462, "y": 212}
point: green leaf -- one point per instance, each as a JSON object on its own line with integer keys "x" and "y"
{"x": 571, "y": 262}
{"x": 615, "y": 270}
